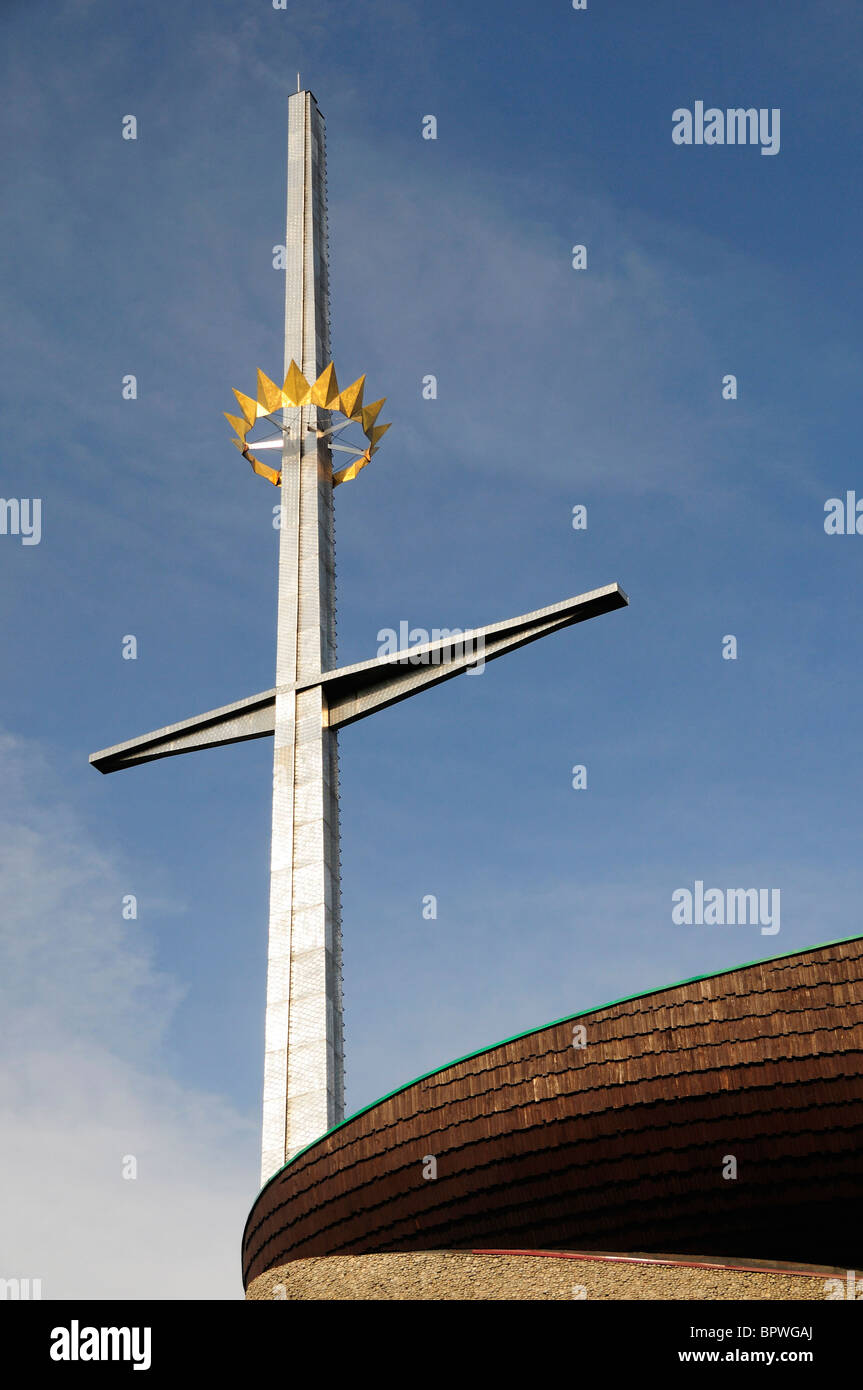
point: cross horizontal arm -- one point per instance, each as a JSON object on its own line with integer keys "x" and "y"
{"x": 253, "y": 717}
{"x": 353, "y": 692}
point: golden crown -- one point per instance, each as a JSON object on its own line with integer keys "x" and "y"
{"x": 297, "y": 392}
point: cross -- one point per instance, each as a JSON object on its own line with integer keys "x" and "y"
{"x": 313, "y": 698}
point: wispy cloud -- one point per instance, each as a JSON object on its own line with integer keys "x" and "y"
{"x": 84, "y": 1083}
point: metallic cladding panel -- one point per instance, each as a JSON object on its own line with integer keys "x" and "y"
{"x": 617, "y": 1146}
{"x": 303, "y": 1084}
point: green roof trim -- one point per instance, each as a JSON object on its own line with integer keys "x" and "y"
{"x": 567, "y": 1018}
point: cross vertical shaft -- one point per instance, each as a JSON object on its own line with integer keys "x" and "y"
{"x": 303, "y": 1068}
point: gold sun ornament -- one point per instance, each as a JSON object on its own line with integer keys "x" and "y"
{"x": 297, "y": 392}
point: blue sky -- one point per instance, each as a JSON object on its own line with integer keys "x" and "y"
{"x": 556, "y": 387}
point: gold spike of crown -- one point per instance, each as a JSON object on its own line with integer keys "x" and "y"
{"x": 297, "y": 392}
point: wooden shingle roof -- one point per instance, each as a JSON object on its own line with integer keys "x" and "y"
{"x": 619, "y": 1145}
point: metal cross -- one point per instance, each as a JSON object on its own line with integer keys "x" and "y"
{"x": 312, "y": 699}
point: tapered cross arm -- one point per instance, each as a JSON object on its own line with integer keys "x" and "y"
{"x": 353, "y": 692}
{"x": 253, "y": 717}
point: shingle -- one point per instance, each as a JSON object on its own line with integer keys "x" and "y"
{"x": 619, "y": 1146}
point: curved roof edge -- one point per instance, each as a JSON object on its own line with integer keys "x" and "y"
{"x": 566, "y": 1018}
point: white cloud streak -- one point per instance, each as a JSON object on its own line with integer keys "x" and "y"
{"x": 84, "y": 1013}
